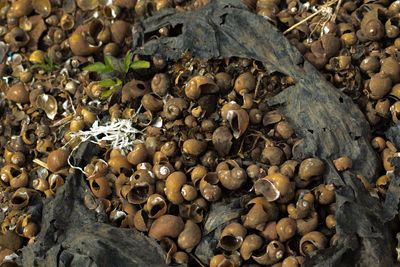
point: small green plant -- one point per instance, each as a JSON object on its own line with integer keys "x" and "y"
{"x": 108, "y": 67}
{"x": 48, "y": 65}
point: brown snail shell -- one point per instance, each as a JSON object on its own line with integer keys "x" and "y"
{"x": 200, "y": 85}
{"x": 343, "y": 163}
{"x": 37, "y": 57}
{"x": 118, "y": 164}
{"x": 330, "y": 221}
{"x": 274, "y": 252}
{"x": 55, "y": 181}
{"x": 40, "y": 184}
{"x": 18, "y": 93}
{"x": 111, "y": 49}
{"x": 169, "y": 148}
{"x": 180, "y": 257}
{"x": 100, "y": 187}
{"x": 221, "y": 260}
{"x": 133, "y": 89}
{"x": 8, "y": 172}
{"x": 57, "y": 159}
{"x": 19, "y": 180}
{"x": 30, "y": 230}
{"x": 162, "y": 170}
{"x": 250, "y": 243}
{"x": 119, "y": 29}
{"x": 325, "y": 194}
{"x": 292, "y": 261}
{"x": 245, "y": 83}
{"x": 174, "y": 107}
{"x": 160, "y": 84}
{"x": 190, "y": 236}
{"x": 380, "y": 85}
{"x": 194, "y": 147}
{"x": 152, "y": 103}
{"x": 42, "y": 7}
{"x": 289, "y": 168}
{"x": 20, "y": 198}
{"x": 173, "y": 186}
{"x": 197, "y": 174}
{"x": 267, "y": 189}
{"x": 238, "y": 120}
{"x": 311, "y": 242}
{"x": 223, "y": 81}
{"x": 269, "y": 232}
{"x": 156, "y": 206}
{"x": 371, "y": 27}
{"x": 260, "y": 213}
{"x": 22, "y": 8}
{"x": 141, "y": 221}
{"x": 301, "y": 210}
{"x": 386, "y": 155}
{"x": 169, "y": 246}
{"x": 284, "y": 130}
{"x": 272, "y": 155}
{"x": 67, "y": 22}
{"x": 232, "y": 179}
{"x": 309, "y": 169}
{"x": 189, "y": 192}
{"x": 209, "y": 188}
{"x": 142, "y": 186}
{"x": 138, "y": 155}
{"x": 111, "y": 11}
{"x": 232, "y": 236}
{"x": 222, "y": 140}
{"x": 283, "y": 184}
{"x": 80, "y": 46}
{"x": 391, "y": 67}
{"x": 307, "y": 224}
{"x": 87, "y": 5}
{"x": 10, "y": 240}
{"x": 286, "y": 229}
{"x": 166, "y": 226}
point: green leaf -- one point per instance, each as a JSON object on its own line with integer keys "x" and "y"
{"x": 50, "y": 60}
{"x": 106, "y": 83}
{"x": 41, "y": 65}
{"x": 108, "y": 92}
{"x": 118, "y": 82}
{"x": 97, "y": 66}
{"x": 140, "y": 64}
{"x": 398, "y": 254}
{"x": 127, "y": 62}
{"x": 109, "y": 63}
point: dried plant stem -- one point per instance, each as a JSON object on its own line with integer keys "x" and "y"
{"x": 339, "y": 4}
{"x": 311, "y": 16}
{"x": 41, "y": 163}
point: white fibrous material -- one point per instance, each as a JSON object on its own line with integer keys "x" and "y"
{"x": 118, "y": 134}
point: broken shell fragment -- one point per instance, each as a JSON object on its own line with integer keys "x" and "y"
{"x": 343, "y": 163}
{"x": 267, "y": 189}
{"x": 48, "y": 103}
{"x": 311, "y": 242}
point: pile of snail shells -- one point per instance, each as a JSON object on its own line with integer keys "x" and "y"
{"x": 164, "y": 186}
{"x": 284, "y": 221}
